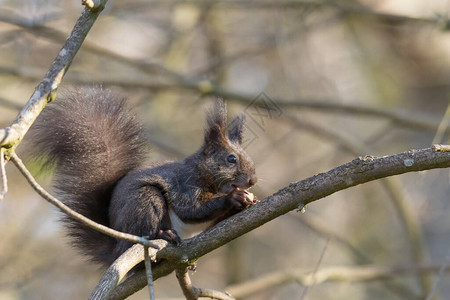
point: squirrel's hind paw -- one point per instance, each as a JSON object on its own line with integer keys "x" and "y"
{"x": 169, "y": 235}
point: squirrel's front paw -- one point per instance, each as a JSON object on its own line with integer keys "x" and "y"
{"x": 243, "y": 198}
{"x": 169, "y": 235}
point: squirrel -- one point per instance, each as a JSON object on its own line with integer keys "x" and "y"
{"x": 98, "y": 148}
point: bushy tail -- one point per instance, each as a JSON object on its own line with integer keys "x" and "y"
{"x": 93, "y": 139}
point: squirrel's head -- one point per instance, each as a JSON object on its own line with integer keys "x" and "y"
{"x": 223, "y": 160}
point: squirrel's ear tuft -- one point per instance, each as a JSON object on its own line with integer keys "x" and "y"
{"x": 215, "y": 133}
{"x": 236, "y": 129}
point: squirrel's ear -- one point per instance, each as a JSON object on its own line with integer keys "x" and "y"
{"x": 215, "y": 133}
{"x": 236, "y": 129}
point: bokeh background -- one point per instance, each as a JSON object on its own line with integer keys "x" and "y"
{"x": 338, "y": 79}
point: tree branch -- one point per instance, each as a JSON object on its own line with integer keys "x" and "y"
{"x": 45, "y": 91}
{"x": 296, "y": 195}
{"x": 193, "y": 293}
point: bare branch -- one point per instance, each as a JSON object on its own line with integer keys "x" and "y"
{"x": 45, "y": 91}
{"x": 193, "y": 293}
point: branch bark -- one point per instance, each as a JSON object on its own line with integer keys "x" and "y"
{"x": 294, "y": 196}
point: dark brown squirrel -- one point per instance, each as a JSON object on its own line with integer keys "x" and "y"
{"x": 99, "y": 148}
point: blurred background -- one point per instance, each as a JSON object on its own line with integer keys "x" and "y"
{"x": 321, "y": 82}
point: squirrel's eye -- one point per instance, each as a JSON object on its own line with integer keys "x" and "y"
{"x": 232, "y": 159}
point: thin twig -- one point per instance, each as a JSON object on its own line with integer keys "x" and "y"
{"x": 438, "y": 279}
{"x": 148, "y": 269}
{"x": 316, "y": 269}
{"x": 185, "y": 283}
{"x": 193, "y": 293}
{"x": 443, "y": 125}
{"x": 73, "y": 214}
{"x": 348, "y": 274}
{"x": 322, "y": 229}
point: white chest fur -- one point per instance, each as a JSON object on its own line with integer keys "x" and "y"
{"x": 187, "y": 230}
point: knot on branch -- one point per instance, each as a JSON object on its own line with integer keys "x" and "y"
{"x": 94, "y": 5}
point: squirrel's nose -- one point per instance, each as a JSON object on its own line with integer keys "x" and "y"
{"x": 252, "y": 181}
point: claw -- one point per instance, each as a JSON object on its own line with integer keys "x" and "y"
{"x": 169, "y": 235}
{"x": 243, "y": 197}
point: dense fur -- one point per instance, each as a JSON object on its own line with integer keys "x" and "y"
{"x": 98, "y": 148}
{"x": 94, "y": 141}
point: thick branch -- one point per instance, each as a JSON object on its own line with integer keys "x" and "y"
{"x": 296, "y": 195}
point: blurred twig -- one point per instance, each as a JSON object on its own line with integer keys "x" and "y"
{"x": 316, "y": 269}
{"x": 349, "y": 274}
{"x": 10, "y": 104}
{"x": 443, "y": 127}
{"x": 408, "y": 119}
{"x": 57, "y": 35}
{"x": 442, "y": 271}
{"x": 345, "y": 7}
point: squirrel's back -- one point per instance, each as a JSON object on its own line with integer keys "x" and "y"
{"x": 94, "y": 140}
